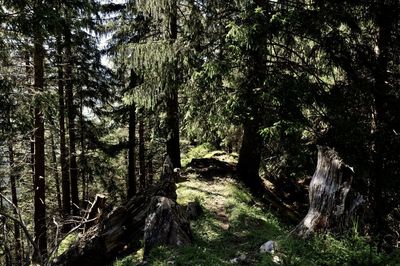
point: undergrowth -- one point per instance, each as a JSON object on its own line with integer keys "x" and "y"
{"x": 234, "y": 225}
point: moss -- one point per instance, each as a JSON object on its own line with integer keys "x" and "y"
{"x": 66, "y": 243}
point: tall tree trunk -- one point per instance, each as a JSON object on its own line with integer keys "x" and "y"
{"x": 7, "y": 251}
{"x": 65, "y": 182}
{"x": 82, "y": 156}
{"x": 14, "y": 197}
{"x": 28, "y": 73}
{"x": 332, "y": 202}
{"x": 250, "y": 157}
{"x": 173, "y": 148}
{"x": 132, "y": 140}
{"x": 142, "y": 163}
{"x": 55, "y": 172}
{"x": 73, "y": 167}
{"x": 150, "y": 171}
{"x": 131, "y": 152}
{"x": 39, "y": 177}
{"x": 385, "y": 19}
{"x": 150, "y": 156}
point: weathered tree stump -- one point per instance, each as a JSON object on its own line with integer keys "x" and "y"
{"x": 166, "y": 224}
{"x": 122, "y": 231}
{"x": 331, "y": 204}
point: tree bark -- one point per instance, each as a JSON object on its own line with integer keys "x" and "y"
{"x": 151, "y": 171}
{"x": 173, "y": 146}
{"x": 250, "y": 157}
{"x": 83, "y": 153}
{"x": 385, "y": 20}
{"x": 165, "y": 224}
{"x": 132, "y": 140}
{"x": 65, "y": 182}
{"x": 142, "y": 163}
{"x": 39, "y": 176}
{"x": 55, "y": 172}
{"x": 332, "y": 202}
{"x": 14, "y": 197}
{"x": 73, "y": 167}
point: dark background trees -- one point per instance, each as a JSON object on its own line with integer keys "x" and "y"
{"x": 94, "y": 95}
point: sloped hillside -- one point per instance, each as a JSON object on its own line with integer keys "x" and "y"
{"x": 234, "y": 226}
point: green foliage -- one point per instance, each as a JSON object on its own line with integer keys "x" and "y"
{"x": 249, "y": 227}
{"x": 66, "y": 243}
{"x": 130, "y": 260}
{"x": 328, "y": 250}
{"x": 215, "y": 245}
{"x": 196, "y": 152}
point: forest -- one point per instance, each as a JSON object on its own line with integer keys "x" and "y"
{"x": 199, "y": 132}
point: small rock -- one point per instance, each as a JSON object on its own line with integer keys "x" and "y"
{"x": 234, "y": 261}
{"x": 194, "y": 210}
{"x": 241, "y": 258}
{"x": 277, "y": 259}
{"x": 268, "y": 247}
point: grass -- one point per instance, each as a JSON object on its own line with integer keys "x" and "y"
{"x": 230, "y": 226}
{"x": 233, "y": 224}
{"x": 206, "y": 150}
{"x": 195, "y": 152}
{"x": 249, "y": 227}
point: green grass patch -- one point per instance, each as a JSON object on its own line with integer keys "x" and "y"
{"x": 206, "y": 150}
{"x": 195, "y": 152}
{"x": 248, "y": 226}
{"x": 234, "y": 224}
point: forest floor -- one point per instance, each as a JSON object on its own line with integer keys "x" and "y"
{"x": 234, "y": 226}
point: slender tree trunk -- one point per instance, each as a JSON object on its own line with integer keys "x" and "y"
{"x": 8, "y": 255}
{"x": 150, "y": 156}
{"x": 65, "y": 182}
{"x": 83, "y": 155}
{"x": 132, "y": 140}
{"x": 32, "y": 135}
{"x": 250, "y": 157}
{"x": 73, "y": 167}
{"x": 173, "y": 148}
{"x": 39, "y": 177}
{"x": 151, "y": 171}
{"x": 131, "y": 152}
{"x": 55, "y": 172}
{"x": 142, "y": 163}
{"x": 14, "y": 197}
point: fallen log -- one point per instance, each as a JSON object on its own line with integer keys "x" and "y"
{"x": 333, "y": 203}
{"x": 122, "y": 231}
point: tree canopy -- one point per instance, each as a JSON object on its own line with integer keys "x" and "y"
{"x": 95, "y": 95}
